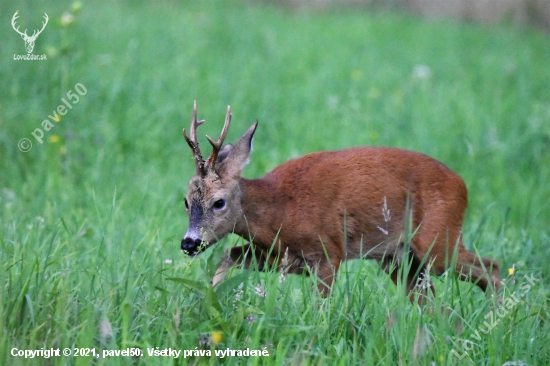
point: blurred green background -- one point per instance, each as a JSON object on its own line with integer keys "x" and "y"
{"x": 91, "y": 219}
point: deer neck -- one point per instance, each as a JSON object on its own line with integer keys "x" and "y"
{"x": 262, "y": 215}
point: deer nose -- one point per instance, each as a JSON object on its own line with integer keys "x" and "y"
{"x": 190, "y": 245}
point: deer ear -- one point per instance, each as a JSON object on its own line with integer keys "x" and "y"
{"x": 238, "y": 155}
{"x": 224, "y": 153}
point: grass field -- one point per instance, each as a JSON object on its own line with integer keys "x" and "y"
{"x": 91, "y": 219}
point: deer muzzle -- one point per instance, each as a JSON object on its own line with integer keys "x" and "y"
{"x": 190, "y": 245}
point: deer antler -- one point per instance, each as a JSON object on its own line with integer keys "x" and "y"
{"x": 24, "y": 34}
{"x": 34, "y": 35}
{"x": 193, "y": 142}
{"x": 15, "y": 16}
{"x": 216, "y": 146}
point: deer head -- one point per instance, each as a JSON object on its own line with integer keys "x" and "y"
{"x": 213, "y": 200}
{"x": 29, "y": 41}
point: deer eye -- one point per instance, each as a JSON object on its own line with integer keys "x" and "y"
{"x": 219, "y": 204}
{"x": 186, "y": 204}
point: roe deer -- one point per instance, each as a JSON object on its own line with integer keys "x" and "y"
{"x": 327, "y": 207}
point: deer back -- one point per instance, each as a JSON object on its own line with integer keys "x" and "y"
{"x": 368, "y": 190}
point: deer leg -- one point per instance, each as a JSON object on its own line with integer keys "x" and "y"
{"x": 326, "y": 271}
{"x": 237, "y": 256}
{"x": 478, "y": 270}
{"x": 420, "y": 283}
{"x": 469, "y": 267}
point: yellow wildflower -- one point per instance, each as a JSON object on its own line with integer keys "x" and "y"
{"x": 54, "y": 139}
{"x": 216, "y": 337}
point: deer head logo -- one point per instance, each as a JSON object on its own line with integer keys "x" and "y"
{"x": 29, "y": 41}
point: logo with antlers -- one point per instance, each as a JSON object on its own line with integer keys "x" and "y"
{"x": 29, "y": 41}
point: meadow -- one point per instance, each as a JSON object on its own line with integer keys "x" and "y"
{"x": 91, "y": 218}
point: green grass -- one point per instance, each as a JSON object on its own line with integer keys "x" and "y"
{"x": 90, "y": 223}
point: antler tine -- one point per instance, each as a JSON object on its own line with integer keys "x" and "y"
{"x": 43, "y": 24}
{"x": 15, "y": 16}
{"x": 193, "y": 142}
{"x": 34, "y": 33}
{"x": 216, "y": 146}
